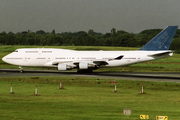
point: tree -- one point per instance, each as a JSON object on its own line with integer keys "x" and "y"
{"x": 53, "y": 32}
{"x": 91, "y": 32}
{"x": 175, "y": 45}
{"x": 40, "y": 32}
{"x": 113, "y": 32}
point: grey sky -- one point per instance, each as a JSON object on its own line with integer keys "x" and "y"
{"x": 82, "y": 15}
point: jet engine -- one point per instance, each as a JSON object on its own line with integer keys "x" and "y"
{"x": 62, "y": 67}
{"x": 83, "y": 65}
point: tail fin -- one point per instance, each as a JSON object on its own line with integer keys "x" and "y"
{"x": 161, "y": 41}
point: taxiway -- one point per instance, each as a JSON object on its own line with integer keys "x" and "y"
{"x": 163, "y": 77}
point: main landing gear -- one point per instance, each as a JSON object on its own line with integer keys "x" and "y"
{"x": 85, "y": 71}
{"x": 21, "y": 69}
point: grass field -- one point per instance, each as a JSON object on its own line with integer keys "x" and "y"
{"x": 89, "y": 98}
{"x": 171, "y": 64}
{"x": 86, "y": 99}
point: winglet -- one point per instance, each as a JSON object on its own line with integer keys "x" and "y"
{"x": 161, "y": 41}
{"x": 119, "y": 58}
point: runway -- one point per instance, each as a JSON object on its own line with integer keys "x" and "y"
{"x": 163, "y": 77}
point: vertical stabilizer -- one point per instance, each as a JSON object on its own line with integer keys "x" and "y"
{"x": 161, "y": 41}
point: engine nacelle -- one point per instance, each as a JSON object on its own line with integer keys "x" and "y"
{"x": 83, "y": 65}
{"x": 62, "y": 67}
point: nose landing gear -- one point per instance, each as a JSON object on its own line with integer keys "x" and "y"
{"x": 20, "y": 69}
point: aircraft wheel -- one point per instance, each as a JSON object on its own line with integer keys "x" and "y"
{"x": 21, "y": 69}
{"x": 85, "y": 71}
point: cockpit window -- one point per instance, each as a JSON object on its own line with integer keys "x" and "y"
{"x": 16, "y": 51}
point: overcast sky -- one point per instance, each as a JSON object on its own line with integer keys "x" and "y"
{"x": 82, "y": 15}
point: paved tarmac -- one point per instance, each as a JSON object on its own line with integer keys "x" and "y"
{"x": 163, "y": 77}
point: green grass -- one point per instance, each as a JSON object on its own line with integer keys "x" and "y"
{"x": 86, "y": 98}
{"x": 171, "y": 64}
{"x": 89, "y": 98}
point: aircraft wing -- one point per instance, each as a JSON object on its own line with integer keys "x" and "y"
{"x": 100, "y": 62}
{"x": 97, "y": 62}
{"x": 56, "y": 62}
{"x": 104, "y": 61}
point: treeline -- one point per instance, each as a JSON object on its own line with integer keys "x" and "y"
{"x": 113, "y": 38}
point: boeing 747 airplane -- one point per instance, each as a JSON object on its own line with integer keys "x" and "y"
{"x": 63, "y": 59}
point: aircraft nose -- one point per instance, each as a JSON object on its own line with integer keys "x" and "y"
{"x": 3, "y": 59}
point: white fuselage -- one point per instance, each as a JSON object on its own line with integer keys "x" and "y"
{"x": 47, "y": 57}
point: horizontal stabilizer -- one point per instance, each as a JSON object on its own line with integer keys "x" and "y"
{"x": 169, "y": 52}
